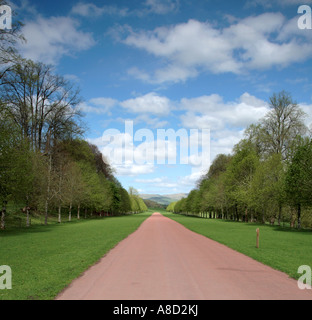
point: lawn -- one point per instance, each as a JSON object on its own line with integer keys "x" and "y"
{"x": 45, "y": 259}
{"x": 281, "y": 248}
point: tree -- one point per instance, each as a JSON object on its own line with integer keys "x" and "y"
{"x": 239, "y": 175}
{"x": 266, "y": 192}
{"x": 180, "y": 206}
{"x": 21, "y": 170}
{"x": 171, "y": 206}
{"x": 298, "y": 180}
{"x": 28, "y": 179}
{"x": 74, "y": 187}
{"x": 41, "y": 103}
{"x": 125, "y": 201}
{"x": 137, "y": 203}
{"x": 8, "y": 140}
{"x": 282, "y": 124}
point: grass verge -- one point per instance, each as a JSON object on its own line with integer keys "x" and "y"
{"x": 281, "y": 248}
{"x": 45, "y": 259}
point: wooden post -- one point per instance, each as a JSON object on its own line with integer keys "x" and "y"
{"x": 258, "y": 233}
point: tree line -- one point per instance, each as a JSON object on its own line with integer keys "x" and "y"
{"x": 46, "y": 166}
{"x": 266, "y": 178}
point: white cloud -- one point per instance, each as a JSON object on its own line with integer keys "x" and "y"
{"x": 254, "y": 43}
{"x": 152, "y": 181}
{"x": 212, "y": 112}
{"x": 98, "y": 105}
{"x": 87, "y": 9}
{"x": 134, "y": 170}
{"x": 151, "y": 122}
{"x": 308, "y": 110}
{"x": 227, "y": 121}
{"x": 161, "y": 6}
{"x": 48, "y": 39}
{"x": 150, "y": 103}
{"x": 191, "y": 180}
{"x": 144, "y": 106}
{"x": 91, "y": 10}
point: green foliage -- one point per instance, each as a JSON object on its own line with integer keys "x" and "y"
{"x": 268, "y": 174}
{"x": 299, "y": 176}
{"x": 45, "y": 166}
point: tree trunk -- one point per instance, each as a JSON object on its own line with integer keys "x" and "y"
{"x": 279, "y": 214}
{"x": 3, "y": 212}
{"x": 70, "y": 209}
{"x": 236, "y": 213}
{"x": 27, "y": 217}
{"x": 78, "y": 212}
{"x": 60, "y": 200}
{"x": 59, "y": 214}
{"x": 48, "y": 192}
{"x": 299, "y": 216}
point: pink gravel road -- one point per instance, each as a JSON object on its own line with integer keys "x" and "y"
{"x": 163, "y": 260}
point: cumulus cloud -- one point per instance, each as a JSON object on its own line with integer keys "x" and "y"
{"x": 149, "y": 103}
{"x": 49, "y": 39}
{"x": 226, "y": 120}
{"x": 144, "y": 106}
{"x": 187, "y": 49}
{"x": 92, "y": 10}
{"x": 193, "y": 144}
{"x": 213, "y": 112}
{"x": 159, "y": 7}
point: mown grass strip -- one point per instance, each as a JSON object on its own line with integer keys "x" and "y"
{"x": 281, "y": 248}
{"x": 45, "y": 259}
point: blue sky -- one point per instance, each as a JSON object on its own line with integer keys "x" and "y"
{"x": 172, "y": 64}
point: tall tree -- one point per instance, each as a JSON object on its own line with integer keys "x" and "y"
{"x": 9, "y": 140}
{"x": 239, "y": 175}
{"x": 43, "y": 104}
{"x": 282, "y": 124}
{"x": 298, "y": 184}
{"x": 266, "y": 194}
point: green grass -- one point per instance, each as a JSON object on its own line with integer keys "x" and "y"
{"x": 45, "y": 259}
{"x": 281, "y": 248}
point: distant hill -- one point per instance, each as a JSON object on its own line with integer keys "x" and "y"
{"x": 163, "y": 199}
{"x": 153, "y": 204}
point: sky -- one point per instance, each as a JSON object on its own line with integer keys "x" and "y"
{"x": 167, "y": 85}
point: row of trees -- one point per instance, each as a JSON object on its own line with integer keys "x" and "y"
{"x": 268, "y": 176}
{"x": 45, "y": 165}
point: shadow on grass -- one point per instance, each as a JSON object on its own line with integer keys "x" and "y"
{"x": 41, "y": 228}
{"x": 274, "y": 227}
{"x": 11, "y": 231}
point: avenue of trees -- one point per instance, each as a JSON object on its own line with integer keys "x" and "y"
{"x": 266, "y": 178}
{"x": 46, "y": 167}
